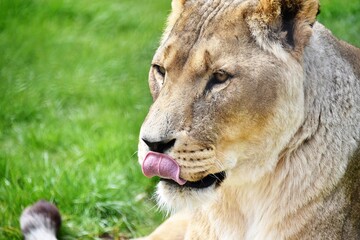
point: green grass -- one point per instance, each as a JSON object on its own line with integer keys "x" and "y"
{"x": 342, "y": 17}
{"x": 73, "y": 94}
{"x": 73, "y": 83}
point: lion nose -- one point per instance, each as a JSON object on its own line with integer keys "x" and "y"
{"x": 161, "y": 146}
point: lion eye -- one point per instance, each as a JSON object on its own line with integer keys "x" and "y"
{"x": 217, "y": 79}
{"x": 160, "y": 70}
{"x": 221, "y": 76}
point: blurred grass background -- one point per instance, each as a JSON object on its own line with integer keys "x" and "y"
{"x": 73, "y": 94}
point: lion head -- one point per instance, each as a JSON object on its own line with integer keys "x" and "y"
{"x": 227, "y": 86}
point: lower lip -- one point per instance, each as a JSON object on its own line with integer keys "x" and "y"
{"x": 206, "y": 182}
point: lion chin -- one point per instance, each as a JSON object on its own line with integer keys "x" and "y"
{"x": 173, "y": 198}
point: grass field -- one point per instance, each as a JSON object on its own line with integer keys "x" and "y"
{"x": 73, "y": 94}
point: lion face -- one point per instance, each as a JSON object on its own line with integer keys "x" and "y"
{"x": 224, "y": 107}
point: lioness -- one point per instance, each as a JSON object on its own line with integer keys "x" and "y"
{"x": 255, "y": 125}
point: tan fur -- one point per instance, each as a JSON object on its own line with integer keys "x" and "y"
{"x": 285, "y": 127}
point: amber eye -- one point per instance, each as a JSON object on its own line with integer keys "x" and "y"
{"x": 217, "y": 80}
{"x": 160, "y": 70}
{"x": 221, "y": 76}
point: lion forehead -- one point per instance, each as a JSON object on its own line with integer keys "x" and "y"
{"x": 205, "y": 26}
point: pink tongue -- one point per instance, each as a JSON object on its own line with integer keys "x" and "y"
{"x": 158, "y": 164}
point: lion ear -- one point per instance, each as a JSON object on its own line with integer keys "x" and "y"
{"x": 286, "y": 21}
{"x": 177, "y": 6}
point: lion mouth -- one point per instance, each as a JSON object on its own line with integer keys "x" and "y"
{"x": 165, "y": 167}
{"x": 206, "y": 182}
